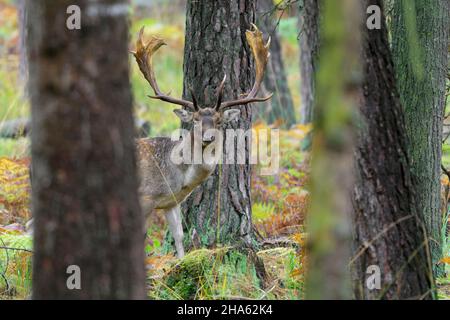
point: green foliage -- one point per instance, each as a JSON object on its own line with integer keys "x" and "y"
{"x": 228, "y": 273}
{"x": 15, "y": 265}
{"x": 153, "y": 247}
{"x": 443, "y": 287}
{"x": 262, "y": 211}
{"x": 445, "y": 240}
{"x": 285, "y": 269}
{"x": 14, "y": 191}
{"x": 446, "y": 154}
{"x": 288, "y": 30}
{"x": 12, "y": 105}
{"x": 14, "y": 148}
{"x": 446, "y": 145}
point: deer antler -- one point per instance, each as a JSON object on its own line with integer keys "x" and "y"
{"x": 144, "y": 54}
{"x": 261, "y": 54}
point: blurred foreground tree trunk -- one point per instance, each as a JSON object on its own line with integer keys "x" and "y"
{"x": 219, "y": 211}
{"x": 309, "y": 47}
{"x": 420, "y": 42}
{"x": 329, "y": 221}
{"x": 84, "y": 196}
{"x": 281, "y": 106}
{"x": 390, "y": 237}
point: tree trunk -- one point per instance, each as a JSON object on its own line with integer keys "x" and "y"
{"x": 219, "y": 211}
{"x": 23, "y": 60}
{"x": 388, "y": 230}
{"x": 309, "y": 47}
{"x": 329, "y": 221}
{"x": 281, "y": 106}
{"x": 420, "y": 32}
{"x": 84, "y": 196}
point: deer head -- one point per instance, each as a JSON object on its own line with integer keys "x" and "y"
{"x": 208, "y": 117}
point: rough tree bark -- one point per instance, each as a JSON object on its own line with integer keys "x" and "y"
{"x": 281, "y": 106}
{"x": 309, "y": 47}
{"x": 84, "y": 194}
{"x": 420, "y": 39}
{"x": 219, "y": 211}
{"x": 329, "y": 221}
{"x": 388, "y": 230}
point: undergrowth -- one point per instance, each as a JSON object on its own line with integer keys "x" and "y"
{"x": 226, "y": 273}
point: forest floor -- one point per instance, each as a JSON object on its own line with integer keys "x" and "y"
{"x": 279, "y": 202}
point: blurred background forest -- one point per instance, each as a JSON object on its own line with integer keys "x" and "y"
{"x": 279, "y": 203}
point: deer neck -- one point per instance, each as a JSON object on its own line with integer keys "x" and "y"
{"x": 196, "y": 172}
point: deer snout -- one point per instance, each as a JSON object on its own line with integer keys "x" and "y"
{"x": 208, "y": 138}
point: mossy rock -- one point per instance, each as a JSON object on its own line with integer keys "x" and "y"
{"x": 221, "y": 273}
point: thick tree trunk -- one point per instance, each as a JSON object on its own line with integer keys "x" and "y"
{"x": 420, "y": 32}
{"x": 309, "y": 47}
{"x": 281, "y": 106}
{"x": 219, "y": 211}
{"x": 389, "y": 233}
{"x": 329, "y": 221}
{"x": 84, "y": 196}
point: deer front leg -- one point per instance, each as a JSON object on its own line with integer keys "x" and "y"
{"x": 148, "y": 208}
{"x": 173, "y": 217}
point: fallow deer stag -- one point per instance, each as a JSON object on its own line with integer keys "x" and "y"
{"x": 165, "y": 185}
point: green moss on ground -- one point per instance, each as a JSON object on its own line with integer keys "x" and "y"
{"x": 228, "y": 273}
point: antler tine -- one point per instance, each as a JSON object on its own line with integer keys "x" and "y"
{"x": 144, "y": 54}
{"x": 220, "y": 92}
{"x": 194, "y": 100}
{"x": 261, "y": 54}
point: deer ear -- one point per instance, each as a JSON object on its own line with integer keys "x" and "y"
{"x": 184, "y": 115}
{"x": 230, "y": 115}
